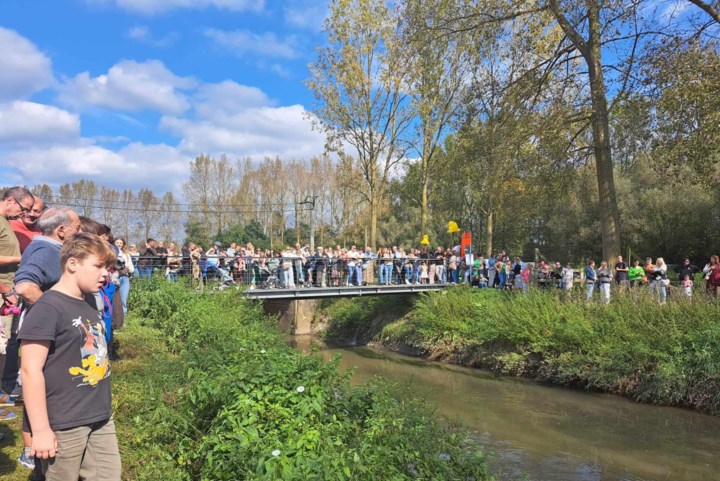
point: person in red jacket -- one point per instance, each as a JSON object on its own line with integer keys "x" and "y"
{"x": 712, "y": 276}
{"x": 25, "y": 227}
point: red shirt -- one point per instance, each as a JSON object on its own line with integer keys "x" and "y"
{"x": 23, "y": 234}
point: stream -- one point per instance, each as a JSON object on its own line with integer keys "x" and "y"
{"x": 544, "y": 433}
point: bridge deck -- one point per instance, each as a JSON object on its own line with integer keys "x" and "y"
{"x": 352, "y": 291}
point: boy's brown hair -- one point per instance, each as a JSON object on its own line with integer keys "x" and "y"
{"x": 83, "y": 245}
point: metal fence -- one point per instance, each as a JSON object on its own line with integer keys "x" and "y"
{"x": 293, "y": 271}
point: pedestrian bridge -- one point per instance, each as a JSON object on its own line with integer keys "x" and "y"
{"x": 351, "y": 291}
{"x": 296, "y": 308}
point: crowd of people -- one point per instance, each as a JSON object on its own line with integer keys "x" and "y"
{"x": 296, "y": 266}
{"x": 61, "y": 284}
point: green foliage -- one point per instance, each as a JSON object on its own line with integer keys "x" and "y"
{"x": 242, "y": 234}
{"x": 358, "y": 320}
{"x": 197, "y": 232}
{"x": 209, "y": 390}
{"x": 663, "y": 354}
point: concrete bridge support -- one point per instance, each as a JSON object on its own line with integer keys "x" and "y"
{"x": 295, "y": 314}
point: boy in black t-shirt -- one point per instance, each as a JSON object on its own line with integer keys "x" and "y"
{"x": 65, "y": 370}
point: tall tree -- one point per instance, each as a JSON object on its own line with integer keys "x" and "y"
{"x": 109, "y": 202}
{"x": 361, "y": 91}
{"x": 224, "y": 182}
{"x": 126, "y": 215}
{"x": 198, "y": 188}
{"x": 438, "y": 76}
{"x": 45, "y": 192}
{"x": 583, "y": 26}
{"x": 149, "y": 212}
{"x": 80, "y": 195}
{"x": 171, "y": 218}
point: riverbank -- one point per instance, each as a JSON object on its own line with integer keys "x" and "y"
{"x": 208, "y": 389}
{"x": 661, "y": 354}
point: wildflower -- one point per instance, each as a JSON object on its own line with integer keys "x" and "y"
{"x": 276, "y": 453}
{"x": 301, "y": 389}
{"x": 263, "y": 351}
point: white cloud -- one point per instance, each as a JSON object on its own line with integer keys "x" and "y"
{"x": 247, "y": 43}
{"x": 238, "y": 120}
{"x": 23, "y": 68}
{"x": 28, "y": 122}
{"x": 137, "y": 165}
{"x": 130, "y": 86}
{"x": 228, "y": 97}
{"x": 306, "y": 14}
{"x": 43, "y": 143}
{"x": 141, "y": 33}
{"x": 151, "y": 7}
{"x": 254, "y": 132}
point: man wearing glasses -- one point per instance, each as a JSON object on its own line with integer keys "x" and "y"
{"x": 15, "y": 202}
{"x": 25, "y": 227}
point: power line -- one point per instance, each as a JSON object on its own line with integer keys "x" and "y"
{"x": 59, "y": 199}
{"x": 193, "y": 211}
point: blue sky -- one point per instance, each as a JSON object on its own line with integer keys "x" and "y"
{"x": 127, "y": 92}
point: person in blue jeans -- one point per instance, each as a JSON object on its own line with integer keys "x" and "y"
{"x": 146, "y": 262}
{"x": 590, "y": 279}
{"x": 124, "y": 274}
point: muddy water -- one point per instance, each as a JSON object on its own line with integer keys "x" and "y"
{"x": 543, "y": 433}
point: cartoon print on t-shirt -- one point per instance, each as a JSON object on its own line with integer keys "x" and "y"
{"x": 95, "y": 365}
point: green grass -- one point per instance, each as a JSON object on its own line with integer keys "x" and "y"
{"x": 10, "y": 449}
{"x": 664, "y": 354}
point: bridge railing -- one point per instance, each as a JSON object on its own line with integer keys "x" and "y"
{"x": 310, "y": 271}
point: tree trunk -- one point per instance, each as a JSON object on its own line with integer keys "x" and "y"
{"x": 425, "y": 176}
{"x": 424, "y": 207}
{"x": 489, "y": 234}
{"x": 373, "y": 221}
{"x": 609, "y": 214}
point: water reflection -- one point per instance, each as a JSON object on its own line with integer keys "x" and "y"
{"x": 555, "y": 434}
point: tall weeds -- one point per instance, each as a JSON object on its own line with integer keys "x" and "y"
{"x": 663, "y": 354}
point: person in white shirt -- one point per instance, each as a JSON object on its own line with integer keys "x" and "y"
{"x": 568, "y": 278}
{"x": 352, "y": 262}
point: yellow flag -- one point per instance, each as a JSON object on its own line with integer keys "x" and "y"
{"x": 453, "y": 227}
{"x": 425, "y": 240}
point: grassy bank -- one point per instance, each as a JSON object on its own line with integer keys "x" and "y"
{"x": 208, "y": 389}
{"x": 662, "y": 354}
{"x": 356, "y": 321}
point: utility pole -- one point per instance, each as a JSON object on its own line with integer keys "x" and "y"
{"x": 310, "y": 201}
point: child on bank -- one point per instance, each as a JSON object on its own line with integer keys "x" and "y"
{"x": 687, "y": 286}
{"x": 65, "y": 370}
